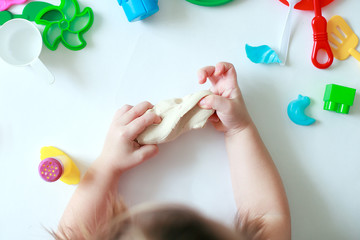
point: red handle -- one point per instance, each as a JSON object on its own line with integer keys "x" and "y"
{"x": 319, "y": 26}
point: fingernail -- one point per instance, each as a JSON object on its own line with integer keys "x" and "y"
{"x": 158, "y": 120}
{"x": 203, "y": 102}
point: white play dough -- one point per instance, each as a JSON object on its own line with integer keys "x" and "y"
{"x": 179, "y": 115}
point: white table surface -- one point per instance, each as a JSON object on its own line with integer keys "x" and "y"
{"x": 158, "y": 59}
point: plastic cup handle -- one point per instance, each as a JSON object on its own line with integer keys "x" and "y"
{"x": 42, "y": 70}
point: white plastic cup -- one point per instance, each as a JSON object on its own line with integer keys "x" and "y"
{"x": 21, "y": 44}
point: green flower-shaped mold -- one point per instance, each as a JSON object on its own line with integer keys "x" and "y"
{"x": 66, "y": 24}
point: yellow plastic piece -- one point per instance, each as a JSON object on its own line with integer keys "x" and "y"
{"x": 343, "y": 39}
{"x": 71, "y": 174}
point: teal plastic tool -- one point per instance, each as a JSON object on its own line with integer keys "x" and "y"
{"x": 30, "y": 11}
{"x": 136, "y": 10}
{"x": 209, "y": 3}
{"x": 296, "y": 111}
{"x": 65, "y": 24}
{"x": 261, "y": 54}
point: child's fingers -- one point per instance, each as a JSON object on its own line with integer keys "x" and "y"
{"x": 219, "y": 126}
{"x": 214, "y": 118}
{"x": 227, "y": 72}
{"x": 137, "y": 126}
{"x": 204, "y": 73}
{"x": 215, "y": 74}
{"x": 135, "y": 112}
{"x": 216, "y": 102}
{"x": 222, "y": 67}
{"x": 124, "y": 109}
{"x": 146, "y": 152}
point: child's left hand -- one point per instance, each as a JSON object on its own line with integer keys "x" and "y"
{"x": 92, "y": 204}
{"x": 121, "y": 152}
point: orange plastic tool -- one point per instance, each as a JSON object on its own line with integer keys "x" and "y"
{"x": 342, "y": 38}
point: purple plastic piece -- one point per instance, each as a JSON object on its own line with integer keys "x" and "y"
{"x": 50, "y": 169}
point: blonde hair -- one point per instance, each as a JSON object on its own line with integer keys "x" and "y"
{"x": 164, "y": 222}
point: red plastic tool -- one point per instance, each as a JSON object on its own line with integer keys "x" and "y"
{"x": 321, "y": 42}
{"x": 307, "y": 4}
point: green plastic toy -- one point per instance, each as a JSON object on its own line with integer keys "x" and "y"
{"x": 209, "y": 3}
{"x": 338, "y": 98}
{"x": 30, "y": 11}
{"x": 65, "y": 24}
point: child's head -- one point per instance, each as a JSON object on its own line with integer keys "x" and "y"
{"x": 169, "y": 222}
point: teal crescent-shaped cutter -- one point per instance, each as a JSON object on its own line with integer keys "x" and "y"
{"x": 296, "y": 111}
{"x": 65, "y": 24}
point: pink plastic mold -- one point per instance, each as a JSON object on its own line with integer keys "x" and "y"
{"x": 5, "y": 4}
{"x": 50, "y": 169}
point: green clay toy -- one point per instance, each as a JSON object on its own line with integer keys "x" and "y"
{"x": 30, "y": 11}
{"x": 65, "y": 24}
{"x": 338, "y": 98}
{"x": 209, "y": 3}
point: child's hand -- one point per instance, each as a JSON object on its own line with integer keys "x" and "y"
{"x": 231, "y": 115}
{"x": 121, "y": 152}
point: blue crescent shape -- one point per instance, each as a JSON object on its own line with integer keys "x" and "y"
{"x": 296, "y": 111}
{"x": 261, "y": 54}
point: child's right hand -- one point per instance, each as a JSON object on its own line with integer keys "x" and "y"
{"x": 231, "y": 115}
{"x": 121, "y": 152}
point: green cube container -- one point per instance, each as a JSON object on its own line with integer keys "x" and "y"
{"x": 338, "y": 98}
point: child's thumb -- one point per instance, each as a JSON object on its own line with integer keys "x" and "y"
{"x": 147, "y": 151}
{"x": 215, "y": 102}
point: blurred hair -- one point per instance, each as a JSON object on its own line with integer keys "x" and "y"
{"x": 164, "y": 222}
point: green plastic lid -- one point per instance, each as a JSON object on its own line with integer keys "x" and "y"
{"x": 209, "y": 3}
